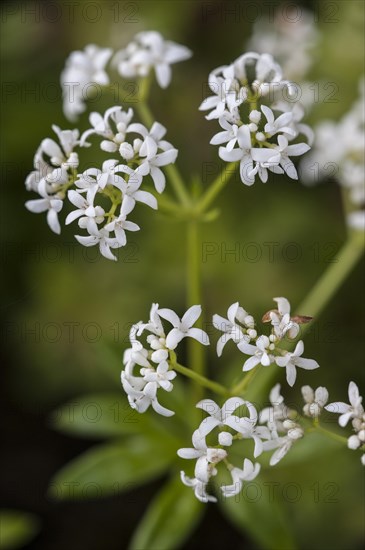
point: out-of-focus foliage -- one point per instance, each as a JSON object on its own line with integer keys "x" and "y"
{"x": 68, "y": 311}
{"x": 16, "y": 528}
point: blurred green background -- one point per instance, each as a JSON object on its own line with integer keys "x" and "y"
{"x": 66, "y": 311}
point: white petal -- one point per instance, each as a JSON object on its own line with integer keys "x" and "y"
{"x": 170, "y": 316}
{"x": 199, "y": 335}
{"x": 173, "y": 338}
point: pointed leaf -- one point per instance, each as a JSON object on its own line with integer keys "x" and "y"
{"x": 170, "y": 518}
{"x": 108, "y": 469}
{"x": 261, "y": 518}
{"x": 16, "y": 528}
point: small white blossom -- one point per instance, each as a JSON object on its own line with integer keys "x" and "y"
{"x": 183, "y": 327}
{"x": 207, "y": 457}
{"x": 283, "y": 444}
{"x": 88, "y": 213}
{"x": 314, "y": 400}
{"x": 143, "y": 398}
{"x": 83, "y": 68}
{"x": 112, "y": 126}
{"x": 50, "y": 204}
{"x": 101, "y": 238}
{"x": 353, "y": 410}
{"x": 200, "y": 488}
{"x": 230, "y": 327}
{"x": 260, "y": 353}
{"x": 149, "y": 50}
{"x": 292, "y": 360}
{"x": 291, "y": 39}
{"x": 338, "y": 152}
{"x": 249, "y": 472}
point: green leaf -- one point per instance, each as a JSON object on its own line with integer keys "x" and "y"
{"x": 169, "y": 519}
{"x": 260, "y": 517}
{"x": 16, "y": 528}
{"x": 112, "y": 468}
{"x": 109, "y": 414}
{"x": 99, "y": 415}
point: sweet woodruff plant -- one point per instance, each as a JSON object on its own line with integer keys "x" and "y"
{"x": 259, "y": 132}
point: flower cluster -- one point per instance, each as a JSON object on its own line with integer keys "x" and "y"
{"x": 284, "y": 431}
{"x": 263, "y": 349}
{"x": 239, "y": 327}
{"x": 149, "y": 50}
{"x": 152, "y": 359}
{"x": 339, "y": 151}
{"x": 289, "y": 38}
{"x": 141, "y": 153}
{"x": 260, "y": 121}
{"x": 355, "y": 412}
{"x": 208, "y": 456}
{"x": 55, "y": 166}
{"x": 276, "y": 428}
{"x": 86, "y": 69}
{"x": 83, "y": 70}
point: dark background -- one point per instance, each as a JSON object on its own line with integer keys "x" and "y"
{"x": 48, "y": 282}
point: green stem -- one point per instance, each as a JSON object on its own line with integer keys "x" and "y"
{"x": 216, "y": 187}
{"x": 171, "y": 170}
{"x": 333, "y": 277}
{"x": 240, "y": 388}
{"x": 319, "y": 297}
{"x": 201, "y": 380}
{"x": 194, "y": 296}
{"x": 332, "y": 435}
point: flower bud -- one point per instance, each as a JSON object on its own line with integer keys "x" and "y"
{"x": 353, "y": 442}
{"x": 126, "y": 151}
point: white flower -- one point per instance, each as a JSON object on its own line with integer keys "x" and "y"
{"x": 261, "y": 146}
{"x": 94, "y": 179}
{"x": 283, "y": 444}
{"x": 113, "y": 127}
{"x": 248, "y": 473}
{"x": 82, "y": 68}
{"x": 281, "y": 321}
{"x": 85, "y": 209}
{"x": 260, "y": 353}
{"x": 149, "y": 50}
{"x": 339, "y": 152}
{"x": 356, "y": 220}
{"x": 277, "y": 412}
{"x": 162, "y": 376}
{"x": 231, "y": 330}
{"x": 183, "y": 327}
{"x": 131, "y": 188}
{"x": 353, "y": 410}
{"x": 314, "y": 401}
{"x": 291, "y": 40}
{"x": 152, "y": 160}
{"x": 200, "y": 488}
{"x": 287, "y": 151}
{"x": 136, "y": 354}
{"x": 247, "y": 155}
{"x": 120, "y": 225}
{"x": 50, "y": 204}
{"x": 52, "y": 161}
{"x": 230, "y": 134}
{"x": 154, "y": 325}
{"x": 292, "y": 360}
{"x": 222, "y": 416}
{"x": 279, "y": 124}
{"x": 102, "y": 238}
{"x": 228, "y": 95}
{"x": 141, "y": 399}
{"x": 207, "y": 457}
